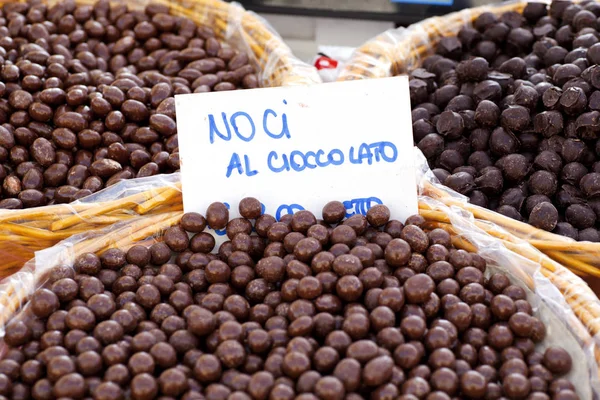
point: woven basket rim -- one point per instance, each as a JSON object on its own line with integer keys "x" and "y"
{"x": 380, "y": 55}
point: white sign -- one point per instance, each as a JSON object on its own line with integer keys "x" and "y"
{"x": 299, "y": 147}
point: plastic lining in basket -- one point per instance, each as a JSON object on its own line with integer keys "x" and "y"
{"x": 23, "y": 232}
{"x": 564, "y": 302}
{"x": 400, "y": 51}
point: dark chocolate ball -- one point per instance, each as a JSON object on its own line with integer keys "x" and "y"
{"x": 544, "y": 216}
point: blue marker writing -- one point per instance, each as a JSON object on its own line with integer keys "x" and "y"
{"x": 299, "y": 161}
{"x": 234, "y": 123}
{"x": 242, "y": 119}
{"x": 360, "y": 206}
{"x": 214, "y": 130}
{"x": 287, "y": 209}
{"x": 236, "y": 164}
{"x": 368, "y": 152}
{"x": 285, "y": 130}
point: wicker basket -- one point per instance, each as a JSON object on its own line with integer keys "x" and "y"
{"x": 400, "y": 51}
{"x": 564, "y": 295}
{"x": 23, "y": 232}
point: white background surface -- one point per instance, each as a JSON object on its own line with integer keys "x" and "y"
{"x": 305, "y": 34}
{"x": 335, "y": 115}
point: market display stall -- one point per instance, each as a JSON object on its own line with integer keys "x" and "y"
{"x": 283, "y": 243}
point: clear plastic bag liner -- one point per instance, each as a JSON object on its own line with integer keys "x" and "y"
{"x": 401, "y": 50}
{"x": 561, "y": 299}
{"x": 23, "y": 232}
{"x": 580, "y": 257}
{"x": 144, "y": 209}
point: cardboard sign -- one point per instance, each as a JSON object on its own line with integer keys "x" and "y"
{"x": 296, "y": 148}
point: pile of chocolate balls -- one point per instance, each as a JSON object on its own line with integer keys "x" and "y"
{"x": 364, "y": 307}
{"x": 86, "y": 94}
{"x": 508, "y": 114}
